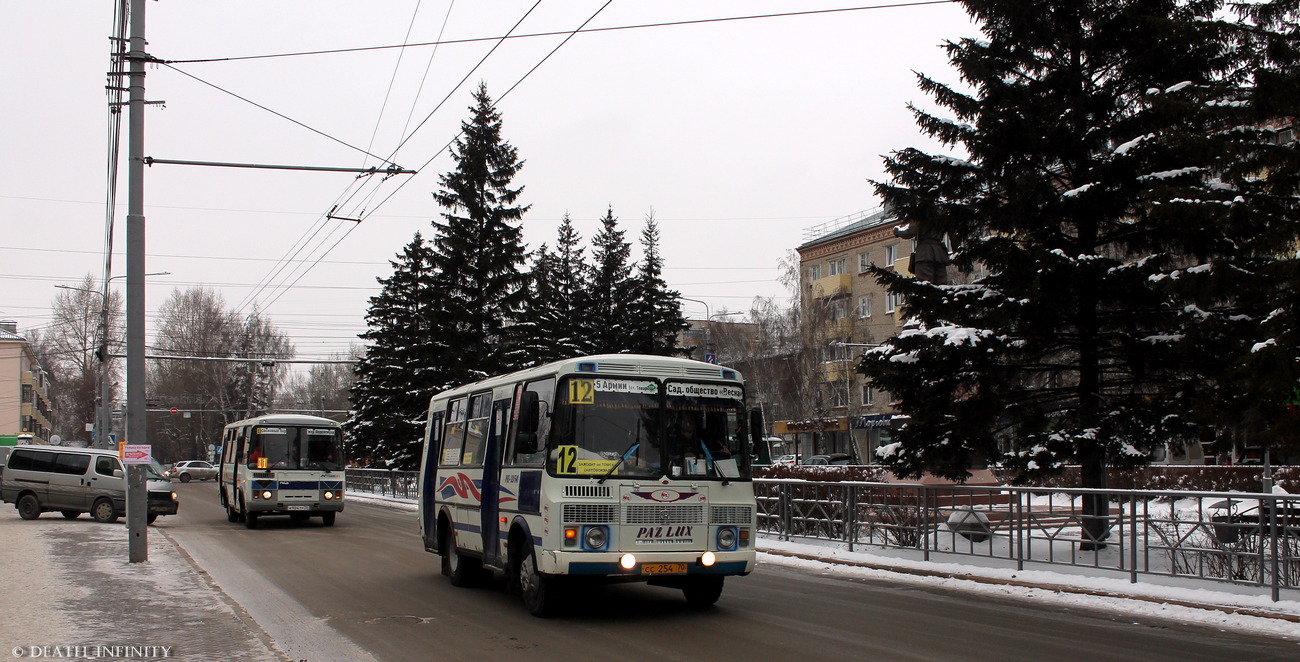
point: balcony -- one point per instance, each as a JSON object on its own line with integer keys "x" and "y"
{"x": 832, "y": 286}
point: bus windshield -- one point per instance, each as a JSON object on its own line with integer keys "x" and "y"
{"x": 642, "y": 428}
{"x": 294, "y": 447}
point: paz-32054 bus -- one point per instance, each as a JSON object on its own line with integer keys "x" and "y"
{"x": 617, "y": 467}
{"x": 282, "y": 464}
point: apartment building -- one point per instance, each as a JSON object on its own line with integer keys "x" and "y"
{"x": 852, "y": 312}
{"x": 25, "y": 405}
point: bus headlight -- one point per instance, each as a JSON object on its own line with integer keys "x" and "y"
{"x": 329, "y": 495}
{"x": 266, "y": 494}
{"x": 726, "y": 539}
{"x": 595, "y": 537}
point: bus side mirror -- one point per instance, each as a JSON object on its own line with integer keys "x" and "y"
{"x": 529, "y": 419}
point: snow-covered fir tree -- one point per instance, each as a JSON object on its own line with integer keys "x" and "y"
{"x": 398, "y": 373}
{"x": 478, "y": 251}
{"x": 1117, "y": 181}
{"x": 551, "y": 328}
{"x": 610, "y": 295}
{"x": 656, "y": 310}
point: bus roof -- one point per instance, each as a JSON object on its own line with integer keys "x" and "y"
{"x": 287, "y": 419}
{"x": 623, "y": 365}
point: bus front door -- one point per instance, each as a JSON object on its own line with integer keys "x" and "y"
{"x": 491, "y": 487}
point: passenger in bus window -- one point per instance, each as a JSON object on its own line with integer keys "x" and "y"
{"x": 255, "y": 455}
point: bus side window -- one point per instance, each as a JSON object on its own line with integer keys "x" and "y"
{"x": 476, "y": 429}
{"x": 455, "y": 434}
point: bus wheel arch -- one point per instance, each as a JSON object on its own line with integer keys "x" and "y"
{"x": 516, "y": 540}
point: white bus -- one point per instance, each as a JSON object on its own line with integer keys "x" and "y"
{"x": 616, "y": 467}
{"x": 282, "y": 464}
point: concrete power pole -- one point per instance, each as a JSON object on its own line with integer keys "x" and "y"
{"x": 137, "y": 493}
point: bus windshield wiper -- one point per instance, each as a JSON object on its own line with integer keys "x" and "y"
{"x": 626, "y": 454}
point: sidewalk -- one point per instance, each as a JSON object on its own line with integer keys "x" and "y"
{"x": 70, "y": 592}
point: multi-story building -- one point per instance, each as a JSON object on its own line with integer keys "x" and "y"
{"x": 849, "y": 312}
{"x": 25, "y": 406}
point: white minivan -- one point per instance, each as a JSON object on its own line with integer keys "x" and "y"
{"x": 72, "y": 481}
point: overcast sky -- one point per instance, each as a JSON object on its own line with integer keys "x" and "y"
{"x": 739, "y": 135}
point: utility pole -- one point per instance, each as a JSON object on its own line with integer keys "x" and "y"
{"x": 137, "y": 494}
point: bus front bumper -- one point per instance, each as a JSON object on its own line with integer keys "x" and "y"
{"x": 648, "y": 565}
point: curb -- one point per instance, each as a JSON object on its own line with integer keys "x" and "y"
{"x": 1242, "y": 611}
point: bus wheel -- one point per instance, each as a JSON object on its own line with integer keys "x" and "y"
{"x": 462, "y": 571}
{"x": 231, "y": 514}
{"x": 103, "y": 511}
{"x": 328, "y": 518}
{"x": 29, "y": 507}
{"x": 537, "y": 589}
{"x": 702, "y": 592}
{"x": 250, "y": 520}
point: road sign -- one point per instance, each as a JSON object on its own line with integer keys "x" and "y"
{"x": 174, "y": 410}
{"x": 137, "y": 454}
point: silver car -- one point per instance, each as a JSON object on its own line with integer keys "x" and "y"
{"x": 191, "y": 470}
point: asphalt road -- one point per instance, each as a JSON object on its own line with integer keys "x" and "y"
{"x": 366, "y": 589}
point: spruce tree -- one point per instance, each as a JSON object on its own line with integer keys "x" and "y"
{"x": 551, "y": 327}
{"x": 397, "y": 375}
{"x": 656, "y": 310}
{"x": 1104, "y": 188}
{"x": 610, "y": 295}
{"x": 479, "y": 252}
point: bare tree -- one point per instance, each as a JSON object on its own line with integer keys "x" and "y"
{"x": 71, "y": 349}
{"x": 322, "y": 390}
{"x": 224, "y": 370}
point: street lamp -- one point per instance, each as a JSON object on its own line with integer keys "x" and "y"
{"x": 103, "y": 412}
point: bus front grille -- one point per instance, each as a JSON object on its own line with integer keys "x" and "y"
{"x": 590, "y": 513}
{"x": 633, "y": 514}
{"x": 587, "y": 491}
{"x": 731, "y": 515}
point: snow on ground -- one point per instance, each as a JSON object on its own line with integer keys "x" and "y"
{"x": 1225, "y": 606}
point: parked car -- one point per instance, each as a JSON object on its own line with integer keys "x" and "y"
{"x": 786, "y": 461}
{"x": 191, "y": 470}
{"x": 830, "y": 458}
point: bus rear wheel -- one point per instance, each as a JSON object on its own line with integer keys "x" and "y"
{"x": 538, "y": 590}
{"x": 462, "y": 570}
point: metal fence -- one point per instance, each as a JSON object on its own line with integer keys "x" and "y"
{"x": 399, "y": 484}
{"x": 1250, "y": 539}
{"x": 1241, "y": 538}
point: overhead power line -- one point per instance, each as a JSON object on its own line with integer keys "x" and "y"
{"x": 640, "y": 26}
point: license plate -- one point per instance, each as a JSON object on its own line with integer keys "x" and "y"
{"x": 299, "y": 507}
{"x": 663, "y": 568}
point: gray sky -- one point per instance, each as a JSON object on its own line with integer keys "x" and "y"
{"x": 738, "y": 135}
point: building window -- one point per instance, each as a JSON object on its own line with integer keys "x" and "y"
{"x": 835, "y": 268}
{"x": 864, "y": 306}
{"x": 838, "y": 395}
{"x": 866, "y": 395}
{"x": 814, "y": 272}
{"x": 837, "y": 309}
{"x": 891, "y": 254}
{"x": 864, "y": 263}
{"x": 893, "y": 302}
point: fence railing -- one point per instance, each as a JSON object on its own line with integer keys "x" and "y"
{"x": 1250, "y": 539}
{"x": 399, "y": 484}
{"x": 1241, "y": 538}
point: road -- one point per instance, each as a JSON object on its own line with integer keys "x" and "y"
{"x": 366, "y": 588}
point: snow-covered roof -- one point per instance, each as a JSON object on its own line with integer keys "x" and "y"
{"x": 843, "y": 227}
